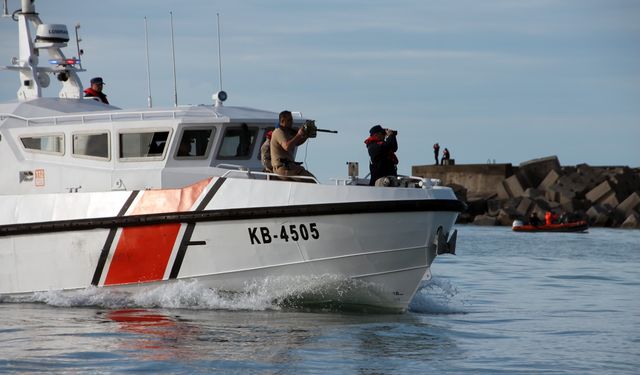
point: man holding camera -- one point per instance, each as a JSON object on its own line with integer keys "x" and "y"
{"x": 284, "y": 140}
{"x": 382, "y": 145}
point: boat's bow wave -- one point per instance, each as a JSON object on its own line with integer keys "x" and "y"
{"x": 437, "y": 296}
{"x": 272, "y": 293}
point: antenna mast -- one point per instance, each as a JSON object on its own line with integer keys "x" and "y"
{"x": 173, "y": 55}
{"x": 49, "y": 38}
{"x": 219, "y": 53}
{"x": 146, "y": 45}
{"x": 78, "y": 40}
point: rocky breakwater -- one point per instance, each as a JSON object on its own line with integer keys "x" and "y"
{"x": 604, "y": 196}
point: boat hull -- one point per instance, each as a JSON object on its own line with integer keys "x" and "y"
{"x": 121, "y": 240}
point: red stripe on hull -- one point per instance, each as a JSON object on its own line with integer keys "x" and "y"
{"x": 169, "y": 200}
{"x": 143, "y": 253}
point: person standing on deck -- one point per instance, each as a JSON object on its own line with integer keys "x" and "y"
{"x": 95, "y": 91}
{"x": 382, "y": 145}
{"x": 265, "y": 153}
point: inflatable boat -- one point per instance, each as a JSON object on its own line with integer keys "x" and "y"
{"x": 575, "y": 226}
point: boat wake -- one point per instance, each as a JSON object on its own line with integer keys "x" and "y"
{"x": 278, "y": 293}
{"x": 274, "y": 293}
{"x": 437, "y": 296}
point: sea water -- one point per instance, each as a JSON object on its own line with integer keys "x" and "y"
{"x": 512, "y": 303}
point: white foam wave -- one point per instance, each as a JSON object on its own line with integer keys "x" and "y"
{"x": 437, "y": 296}
{"x": 267, "y": 294}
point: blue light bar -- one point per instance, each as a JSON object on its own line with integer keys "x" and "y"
{"x": 71, "y": 61}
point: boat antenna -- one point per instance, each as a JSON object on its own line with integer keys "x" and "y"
{"x": 146, "y": 46}
{"x": 78, "y": 40}
{"x": 173, "y": 55}
{"x": 219, "y": 53}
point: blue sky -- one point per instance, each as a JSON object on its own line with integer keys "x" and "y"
{"x": 491, "y": 80}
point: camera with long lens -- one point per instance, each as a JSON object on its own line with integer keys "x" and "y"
{"x": 309, "y": 129}
{"x": 393, "y": 132}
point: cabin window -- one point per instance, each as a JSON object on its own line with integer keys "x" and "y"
{"x": 143, "y": 145}
{"x": 238, "y": 142}
{"x": 49, "y": 144}
{"x": 92, "y": 145}
{"x": 195, "y": 143}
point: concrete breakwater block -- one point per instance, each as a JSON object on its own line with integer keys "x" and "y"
{"x": 575, "y": 205}
{"x": 599, "y": 215}
{"x": 599, "y": 192}
{"x": 549, "y": 180}
{"x": 536, "y": 170}
{"x": 631, "y": 222}
{"x": 506, "y": 217}
{"x": 493, "y": 206}
{"x": 511, "y": 187}
{"x": 559, "y": 193}
{"x": 630, "y": 205}
{"x": 611, "y": 201}
{"x": 533, "y": 193}
{"x": 485, "y": 220}
{"x": 574, "y": 183}
{"x": 625, "y": 183}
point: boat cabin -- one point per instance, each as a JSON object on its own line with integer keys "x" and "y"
{"x": 50, "y": 145}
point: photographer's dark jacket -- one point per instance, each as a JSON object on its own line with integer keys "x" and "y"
{"x": 383, "y": 160}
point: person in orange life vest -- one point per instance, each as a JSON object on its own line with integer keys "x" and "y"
{"x": 436, "y": 152}
{"x": 95, "y": 91}
{"x": 550, "y": 217}
{"x": 382, "y": 145}
{"x": 445, "y": 155}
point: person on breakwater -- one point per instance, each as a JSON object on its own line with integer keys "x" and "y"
{"x": 382, "y": 145}
{"x": 445, "y": 156}
{"x": 436, "y": 152}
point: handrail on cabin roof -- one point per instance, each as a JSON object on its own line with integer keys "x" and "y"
{"x": 119, "y": 116}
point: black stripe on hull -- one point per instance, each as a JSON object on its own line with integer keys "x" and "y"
{"x": 323, "y": 209}
{"x": 182, "y": 250}
{"x": 107, "y": 245}
{"x": 186, "y": 238}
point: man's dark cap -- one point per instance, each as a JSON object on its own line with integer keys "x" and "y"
{"x": 97, "y": 80}
{"x": 376, "y": 129}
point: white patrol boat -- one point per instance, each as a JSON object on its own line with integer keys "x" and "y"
{"x": 94, "y": 195}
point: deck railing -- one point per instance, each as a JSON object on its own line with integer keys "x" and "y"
{"x": 238, "y": 169}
